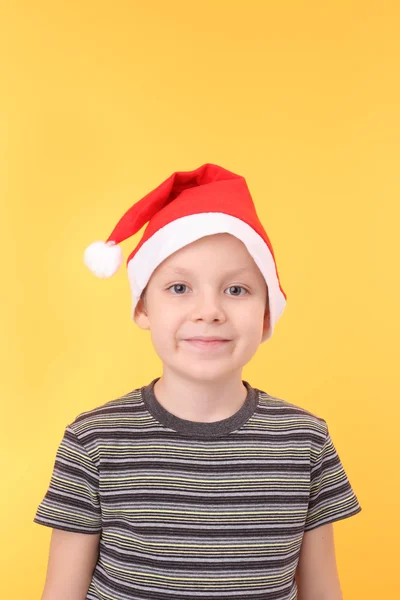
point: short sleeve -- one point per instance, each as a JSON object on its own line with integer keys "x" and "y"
{"x": 331, "y": 495}
{"x": 72, "y": 500}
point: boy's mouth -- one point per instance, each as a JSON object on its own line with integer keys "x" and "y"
{"x": 208, "y": 339}
{"x": 204, "y": 342}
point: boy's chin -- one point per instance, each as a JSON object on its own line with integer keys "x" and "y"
{"x": 204, "y": 370}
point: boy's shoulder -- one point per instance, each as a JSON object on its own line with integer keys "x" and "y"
{"x": 280, "y": 409}
{"x": 107, "y": 412}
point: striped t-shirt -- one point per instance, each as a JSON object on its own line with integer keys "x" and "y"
{"x": 190, "y": 510}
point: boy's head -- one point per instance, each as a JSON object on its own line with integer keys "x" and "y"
{"x": 212, "y": 288}
{"x": 206, "y": 218}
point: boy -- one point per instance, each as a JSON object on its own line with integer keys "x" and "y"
{"x": 197, "y": 485}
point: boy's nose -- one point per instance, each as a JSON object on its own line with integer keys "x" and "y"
{"x": 208, "y": 308}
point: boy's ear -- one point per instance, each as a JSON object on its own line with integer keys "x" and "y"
{"x": 266, "y": 325}
{"x": 267, "y": 318}
{"x": 140, "y": 316}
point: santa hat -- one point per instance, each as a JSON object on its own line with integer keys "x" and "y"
{"x": 186, "y": 207}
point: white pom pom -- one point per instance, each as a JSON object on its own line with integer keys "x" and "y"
{"x": 103, "y": 259}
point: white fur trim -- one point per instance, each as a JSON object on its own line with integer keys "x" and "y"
{"x": 103, "y": 258}
{"x": 183, "y": 231}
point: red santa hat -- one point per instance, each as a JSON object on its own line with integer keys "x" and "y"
{"x": 184, "y": 208}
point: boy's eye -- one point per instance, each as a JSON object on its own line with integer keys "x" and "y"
{"x": 232, "y": 287}
{"x": 177, "y": 285}
{"x": 237, "y": 287}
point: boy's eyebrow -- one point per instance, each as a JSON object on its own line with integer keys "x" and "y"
{"x": 236, "y": 271}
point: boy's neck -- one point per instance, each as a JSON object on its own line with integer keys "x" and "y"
{"x": 200, "y": 401}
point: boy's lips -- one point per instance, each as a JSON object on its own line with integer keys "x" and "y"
{"x": 207, "y": 339}
{"x": 204, "y": 342}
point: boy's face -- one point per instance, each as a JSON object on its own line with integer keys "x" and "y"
{"x": 192, "y": 293}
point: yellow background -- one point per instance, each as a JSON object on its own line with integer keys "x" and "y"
{"x": 100, "y": 102}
